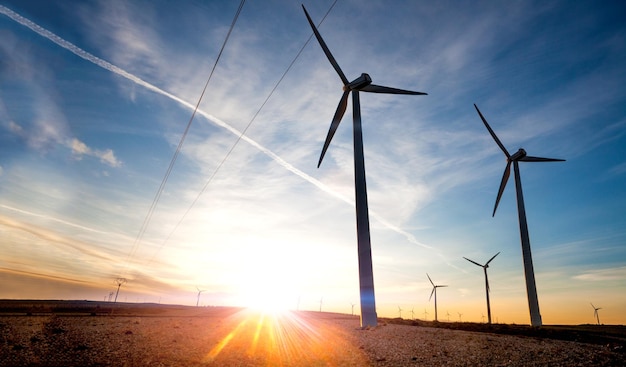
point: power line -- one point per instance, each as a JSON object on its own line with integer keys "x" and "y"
{"x": 155, "y": 201}
{"x": 243, "y": 132}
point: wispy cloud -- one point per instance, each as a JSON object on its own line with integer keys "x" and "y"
{"x": 46, "y": 133}
{"x": 617, "y": 170}
{"x": 107, "y": 156}
{"x": 602, "y": 275}
{"x": 51, "y": 237}
{"x": 49, "y": 218}
{"x": 48, "y": 128}
{"x": 129, "y": 39}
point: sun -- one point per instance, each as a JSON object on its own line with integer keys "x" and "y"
{"x": 265, "y": 279}
{"x": 268, "y": 301}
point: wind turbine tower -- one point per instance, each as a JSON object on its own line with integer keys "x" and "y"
{"x": 435, "y": 293}
{"x": 486, "y": 281}
{"x": 361, "y": 84}
{"x": 529, "y": 273}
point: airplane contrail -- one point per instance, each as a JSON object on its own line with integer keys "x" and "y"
{"x": 123, "y": 73}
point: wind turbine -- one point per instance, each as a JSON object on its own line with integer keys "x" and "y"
{"x": 361, "y": 84}
{"x": 119, "y": 282}
{"x": 400, "y": 312}
{"x": 486, "y": 281}
{"x": 435, "y": 293}
{"x": 425, "y": 315}
{"x": 520, "y": 156}
{"x": 413, "y": 313}
{"x": 448, "y": 314}
{"x": 595, "y": 313}
{"x": 460, "y": 314}
{"x": 199, "y": 292}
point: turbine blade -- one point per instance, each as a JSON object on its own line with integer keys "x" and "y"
{"x": 372, "y": 88}
{"x": 431, "y": 281}
{"x": 539, "y": 159}
{"x": 494, "y": 256}
{"x": 330, "y": 57}
{"x": 431, "y": 294}
{"x": 442, "y": 286}
{"x": 493, "y": 135}
{"x": 472, "y": 261}
{"x": 341, "y": 109}
{"x": 505, "y": 178}
{"x": 594, "y": 307}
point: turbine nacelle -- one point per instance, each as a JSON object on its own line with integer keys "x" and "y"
{"x": 521, "y": 153}
{"x": 359, "y": 83}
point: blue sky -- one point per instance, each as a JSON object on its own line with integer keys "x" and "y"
{"x": 94, "y": 98}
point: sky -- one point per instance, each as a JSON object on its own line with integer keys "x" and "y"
{"x": 96, "y": 95}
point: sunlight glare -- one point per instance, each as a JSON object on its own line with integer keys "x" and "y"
{"x": 267, "y": 301}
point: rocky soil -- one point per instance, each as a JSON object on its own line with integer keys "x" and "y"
{"x": 234, "y": 337}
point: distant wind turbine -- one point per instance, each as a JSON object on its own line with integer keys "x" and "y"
{"x": 595, "y": 313}
{"x": 361, "y": 84}
{"x": 413, "y": 313}
{"x": 119, "y": 282}
{"x": 435, "y": 293}
{"x": 399, "y": 312}
{"x": 425, "y": 315}
{"x": 352, "y": 304}
{"x": 321, "y": 303}
{"x": 520, "y": 156}
{"x": 199, "y": 292}
{"x": 460, "y": 314}
{"x": 486, "y": 281}
{"x": 482, "y": 317}
{"x": 448, "y": 314}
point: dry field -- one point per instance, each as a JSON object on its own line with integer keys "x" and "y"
{"x": 60, "y": 333}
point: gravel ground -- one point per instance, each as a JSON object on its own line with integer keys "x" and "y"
{"x": 243, "y": 338}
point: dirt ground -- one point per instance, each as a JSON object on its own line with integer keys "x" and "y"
{"x": 190, "y": 336}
